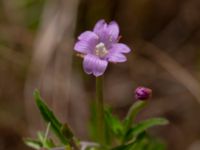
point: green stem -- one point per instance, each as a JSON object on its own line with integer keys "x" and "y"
{"x": 100, "y": 110}
{"x": 130, "y": 117}
{"x": 133, "y": 111}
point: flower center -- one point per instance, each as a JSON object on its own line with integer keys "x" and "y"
{"x": 100, "y": 50}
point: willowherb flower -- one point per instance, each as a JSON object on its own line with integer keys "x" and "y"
{"x": 100, "y": 46}
{"x": 143, "y": 93}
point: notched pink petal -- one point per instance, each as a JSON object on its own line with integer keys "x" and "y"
{"x": 113, "y": 30}
{"x": 99, "y": 25}
{"x": 94, "y": 65}
{"x": 87, "y": 42}
{"x": 87, "y": 64}
{"x": 120, "y": 48}
{"x": 82, "y": 47}
{"x": 87, "y": 35}
{"x": 117, "y": 57}
{"x": 100, "y": 67}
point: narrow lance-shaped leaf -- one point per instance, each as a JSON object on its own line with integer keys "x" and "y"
{"x": 47, "y": 142}
{"x": 113, "y": 123}
{"x": 128, "y": 145}
{"x": 49, "y": 117}
{"x": 143, "y": 126}
{"x": 124, "y": 146}
{"x": 35, "y": 144}
{"x": 67, "y": 132}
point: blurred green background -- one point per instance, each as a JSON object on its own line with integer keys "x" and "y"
{"x": 36, "y": 51}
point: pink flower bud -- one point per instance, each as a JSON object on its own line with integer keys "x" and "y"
{"x": 143, "y": 93}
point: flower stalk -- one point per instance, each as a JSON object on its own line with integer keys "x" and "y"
{"x": 100, "y": 110}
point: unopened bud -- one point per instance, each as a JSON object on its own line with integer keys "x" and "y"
{"x": 143, "y": 93}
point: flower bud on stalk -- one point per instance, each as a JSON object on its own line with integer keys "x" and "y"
{"x": 143, "y": 93}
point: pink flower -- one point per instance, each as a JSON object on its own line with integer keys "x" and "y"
{"x": 100, "y": 46}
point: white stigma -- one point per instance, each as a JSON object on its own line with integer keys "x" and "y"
{"x": 100, "y": 50}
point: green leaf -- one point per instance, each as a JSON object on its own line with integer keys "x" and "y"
{"x": 129, "y": 145}
{"x": 133, "y": 111}
{"x": 143, "y": 126}
{"x": 70, "y": 136}
{"x": 48, "y": 143}
{"x": 40, "y": 136}
{"x": 66, "y": 131}
{"x": 113, "y": 123}
{"x": 156, "y": 145}
{"x": 143, "y": 142}
{"x": 147, "y": 142}
{"x": 49, "y": 117}
{"x": 123, "y": 147}
{"x": 35, "y": 144}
